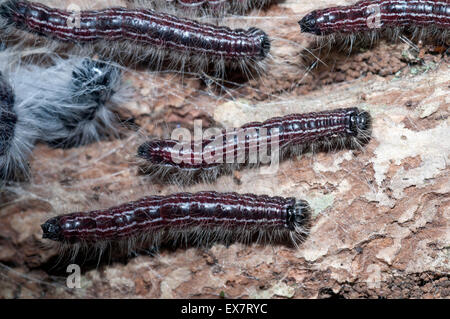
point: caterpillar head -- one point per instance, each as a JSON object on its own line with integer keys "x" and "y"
{"x": 264, "y": 42}
{"x": 51, "y": 229}
{"x": 308, "y": 24}
{"x": 265, "y": 45}
{"x": 298, "y": 215}
{"x": 359, "y": 124}
{"x": 361, "y": 121}
{"x": 84, "y": 106}
{"x": 95, "y": 81}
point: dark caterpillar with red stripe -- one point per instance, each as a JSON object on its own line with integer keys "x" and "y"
{"x": 141, "y": 34}
{"x": 252, "y": 144}
{"x": 424, "y": 17}
{"x": 201, "y": 217}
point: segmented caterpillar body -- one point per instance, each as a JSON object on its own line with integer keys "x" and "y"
{"x": 140, "y": 34}
{"x": 244, "y": 147}
{"x": 202, "y": 217}
{"x": 424, "y": 17}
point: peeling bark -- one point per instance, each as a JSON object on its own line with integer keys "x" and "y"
{"x": 380, "y": 226}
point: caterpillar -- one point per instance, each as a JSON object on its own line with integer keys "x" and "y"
{"x": 206, "y": 160}
{"x": 68, "y": 104}
{"x": 201, "y": 7}
{"x": 16, "y": 136}
{"x": 71, "y": 103}
{"x": 423, "y": 17}
{"x": 200, "y": 218}
{"x": 74, "y": 102}
{"x": 140, "y": 34}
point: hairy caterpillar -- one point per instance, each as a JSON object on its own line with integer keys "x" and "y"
{"x": 141, "y": 34}
{"x": 73, "y": 102}
{"x": 200, "y": 7}
{"x": 245, "y": 146}
{"x": 200, "y": 218}
{"x": 423, "y": 17}
{"x": 16, "y": 136}
{"x": 68, "y": 104}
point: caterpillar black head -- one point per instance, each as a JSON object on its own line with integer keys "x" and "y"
{"x": 83, "y": 107}
{"x": 308, "y": 24}
{"x": 51, "y": 229}
{"x": 359, "y": 125}
{"x": 298, "y": 215}
{"x": 265, "y": 45}
{"x": 95, "y": 80}
{"x": 362, "y": 121}
{"x": 264, "y": 42}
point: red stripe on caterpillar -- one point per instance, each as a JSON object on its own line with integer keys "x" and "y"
{"x": 373, "y": 15}
{"x": 201, "y": 217}
{"x": 147, "y": 33}
{"x": 211, "y": 157}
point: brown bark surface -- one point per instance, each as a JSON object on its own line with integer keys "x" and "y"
{"x": 380, "y": 224}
